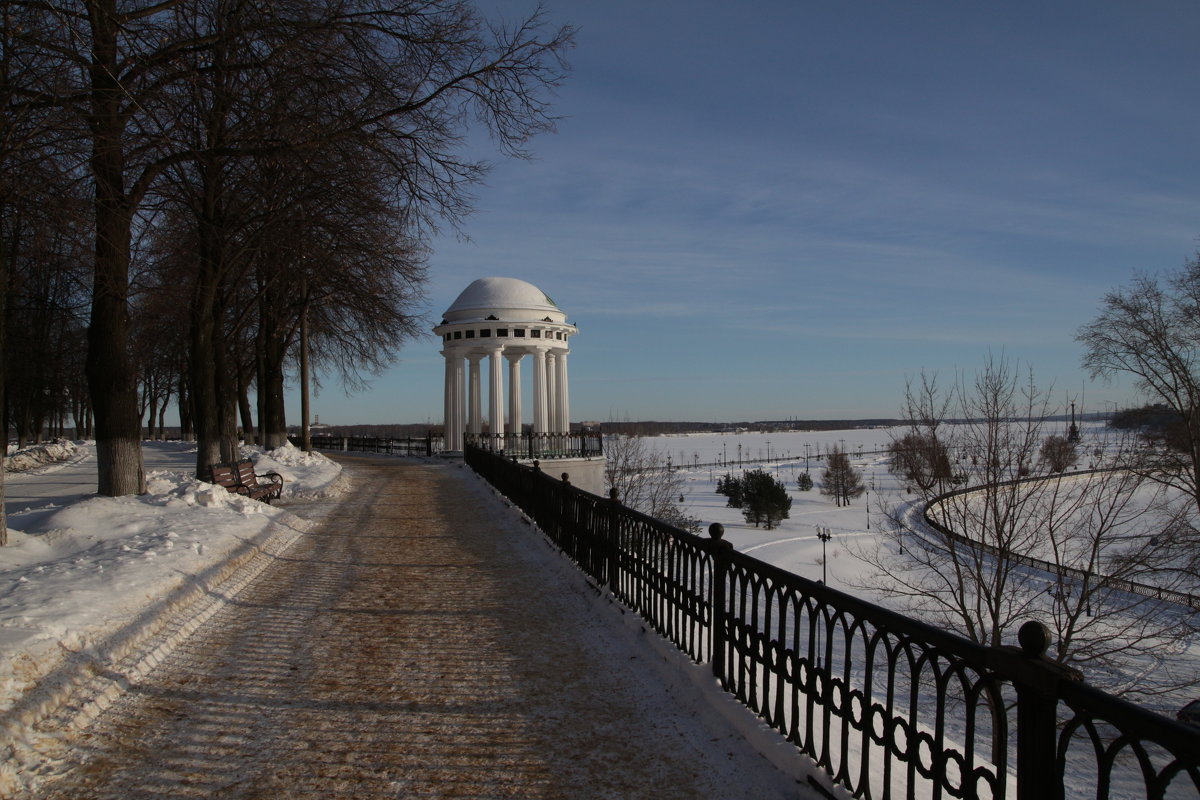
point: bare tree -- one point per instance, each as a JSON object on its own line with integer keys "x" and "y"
{"x": 1058, "y": 453}
{"x": 105, "y": 63}
{"x": 1006, "y": 547}
{"x": 332, "y": 249}
{"x": 1150, "y": 331}
{"x": 645, "y": 480}
{"x": 32, "y": 180}
{"x": 840, "y": 479}
{"x": 44, "y": 242}
{"x": 920, "y": 459}
{"x": 155, "y": 86}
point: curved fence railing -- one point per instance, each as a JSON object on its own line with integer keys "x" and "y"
{"x": 888, "y": 706}
{"x": 1084, "y": 577}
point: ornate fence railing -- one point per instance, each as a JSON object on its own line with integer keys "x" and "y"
{"x": 528, "y": 445}
{"x": 888, "y": 706}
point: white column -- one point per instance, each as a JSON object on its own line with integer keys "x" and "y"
{"x": 475, "y": 415}
{"x": 448, "y": 406}
{"x": 495, "y": 395}
{"x": 564, "y": 399}
{"x": 539, "y": 390}
{"x": 551, "y": 394}
{"x": 456, "y": 442}
{"x": 514, "y": 392}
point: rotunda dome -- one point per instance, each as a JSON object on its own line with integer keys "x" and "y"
{"x": 506, "y": 299}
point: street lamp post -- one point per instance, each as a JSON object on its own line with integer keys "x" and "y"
{"x": 824, "y": 535}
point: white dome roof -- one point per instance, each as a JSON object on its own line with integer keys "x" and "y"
{"x": 506, "y": 299}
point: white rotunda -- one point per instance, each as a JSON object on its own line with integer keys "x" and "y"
{"x": 504, "y": 319}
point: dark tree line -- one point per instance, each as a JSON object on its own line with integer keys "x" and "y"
{"x": 188, "y": 187}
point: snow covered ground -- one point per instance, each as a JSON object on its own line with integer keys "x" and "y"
{"x": 794, "y": 545}
{"x": 80, "y": 567}
{"x": 85, "y": 581}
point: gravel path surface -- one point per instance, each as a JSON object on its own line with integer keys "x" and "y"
{"x": 422, "y": 642}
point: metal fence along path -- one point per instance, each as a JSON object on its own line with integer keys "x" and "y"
{"x": 888, "y": 706}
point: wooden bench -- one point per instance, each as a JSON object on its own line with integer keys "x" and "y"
{"x": 266, "y": 490}
{"x": 240, "y": 478}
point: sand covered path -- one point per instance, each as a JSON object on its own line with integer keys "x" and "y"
{"x": 422, "y": 642}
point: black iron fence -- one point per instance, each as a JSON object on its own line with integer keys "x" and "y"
{"x": 528, "y": 445}
{"x": 427, "y": 445}
{"x": 523, "y": 446}
{"x": 888, "y": 706}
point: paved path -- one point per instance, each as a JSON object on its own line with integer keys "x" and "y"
{"x": 414, "y": 645}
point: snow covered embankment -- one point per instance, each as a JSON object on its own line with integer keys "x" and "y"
{"x": 91, "y": 584}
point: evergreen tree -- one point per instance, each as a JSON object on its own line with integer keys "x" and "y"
{"x": 805, "y": 482}
{"x": 764, "y": 499}
{"x": 733, "y": 488}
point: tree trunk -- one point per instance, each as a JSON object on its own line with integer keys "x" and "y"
{"x": 273, "y": 422}
{"x": 243, "y": 399}
{"x": 161, "y": 435}
{"x": 206, "y": 357}
{"x": 150, "y": 407}
{"x": 3, "y": 402}
{"x": 272, "y": 352}
{"x": 208, "y": 364}
{"x": 305, "y": 436}
{"x": 260, "y": 397}
{"x": 186, "y": 432}
{"x": 227, "y": 396}
{"x": 112, "y": 380}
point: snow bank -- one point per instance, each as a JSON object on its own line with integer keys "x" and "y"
{"x": 40, "y": 455}
{"x": 305, "y": 475}
{"x": 85, "y": 582}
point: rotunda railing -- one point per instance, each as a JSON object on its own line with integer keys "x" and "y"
{"x": 528, "y": 445}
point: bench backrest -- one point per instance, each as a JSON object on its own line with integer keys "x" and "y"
{"x": 223, "y": 475}
{"x": 245, "y": 473}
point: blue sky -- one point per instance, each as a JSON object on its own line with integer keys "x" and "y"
{"x": 784, "y": 209}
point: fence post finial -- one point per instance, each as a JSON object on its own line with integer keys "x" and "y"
{"x": 1037, "y": 713}
{"x": 1034, "y": 638}
{"x": 719, "y": 656}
